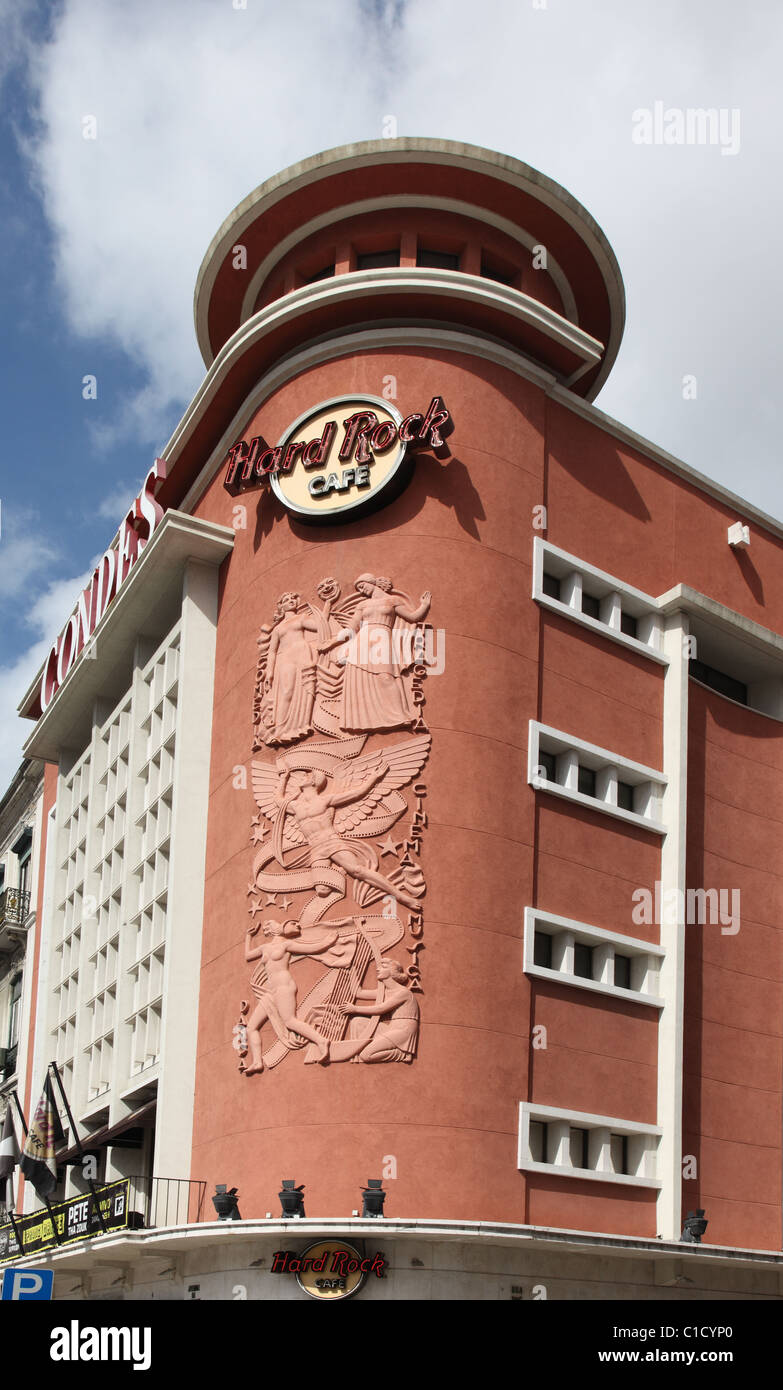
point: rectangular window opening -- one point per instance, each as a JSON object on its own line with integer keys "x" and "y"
{"x": 719, "y": 681}
{"x": 547, "y": 762}
{"x": 324, "y": 274}
{"x": 586, "y": 781}
{"x": 538, "y": 1142}
{"x": 579, "y": 1144}
{"x": 583, "y": 960}
{"x": 504, "y": 275}
{"x": 542, "y": 949}
{"x": 437, "y": 260}
{"x": 622, "y": 971}
{"x": 619, "y": 1151}
{"x": 375, "y": 260}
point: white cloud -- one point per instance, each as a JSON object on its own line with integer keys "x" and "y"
{"x": 22, "y": 557}
{"x": 114, "y": 506}
{"x": 197, "y": 102}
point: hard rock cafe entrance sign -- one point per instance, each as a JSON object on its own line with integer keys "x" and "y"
{"x": 329, "y": 1269}
{"x": 336, "y": 888}
{"x": 339, "y": 457}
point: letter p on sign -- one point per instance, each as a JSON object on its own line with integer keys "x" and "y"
{"x": 23, "y": 1284}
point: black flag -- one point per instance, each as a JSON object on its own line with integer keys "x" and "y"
{"x": 9, "y": 1157}
{"x": 38, "y": 1163}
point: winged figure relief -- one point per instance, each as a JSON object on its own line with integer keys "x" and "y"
{"x": 328, "y": 804}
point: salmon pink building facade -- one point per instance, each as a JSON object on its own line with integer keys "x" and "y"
{"x": 414, "y": 787}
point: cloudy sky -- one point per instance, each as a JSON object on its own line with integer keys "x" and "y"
{"x": 192, "y": 103}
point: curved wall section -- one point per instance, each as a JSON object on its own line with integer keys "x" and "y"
{"x": 462, "y": 530}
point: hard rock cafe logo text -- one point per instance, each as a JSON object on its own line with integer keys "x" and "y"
{"x": 339, "y": 1263}
{"x": 341, "y": 455}
{"x": 329, "y": 1270}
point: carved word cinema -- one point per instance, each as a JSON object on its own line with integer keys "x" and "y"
{"x": 111, "y": 571}
{"x": 338, "y": 454}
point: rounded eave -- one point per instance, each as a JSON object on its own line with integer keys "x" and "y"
{"x": 481, "y": 185}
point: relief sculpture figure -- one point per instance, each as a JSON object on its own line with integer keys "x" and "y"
{"x": 277, "y": 997}
{"x": 313, "y": 807}
{"x": 290, "y": 675}
{"x": 397, "y": 1011}
{"x": 374, "y": 695}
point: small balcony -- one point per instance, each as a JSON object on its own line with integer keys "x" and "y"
{"x": 14, "y": 911}
{"x": 112, "y": 1209}
{"x": 7, "y": 1062}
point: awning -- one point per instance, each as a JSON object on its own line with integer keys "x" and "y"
{"x": 141, "y": 1119}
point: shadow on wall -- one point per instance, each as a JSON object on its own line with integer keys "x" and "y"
{"x": 750, "y": 574}
{"x": 606, "y": 478}
{"x": 448, "y": 482}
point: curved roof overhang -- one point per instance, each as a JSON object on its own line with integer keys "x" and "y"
{"x": 490, "y": 186}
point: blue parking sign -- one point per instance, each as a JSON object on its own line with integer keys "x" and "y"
{"x": 23, "y": 1284}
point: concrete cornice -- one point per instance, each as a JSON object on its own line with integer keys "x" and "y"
{"x": 427, "y": 283}
{"x": 682, "y": 598}
{"x": 128, "y": 1248}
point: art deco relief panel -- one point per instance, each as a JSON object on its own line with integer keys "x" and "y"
{"x": 336, "y": 886}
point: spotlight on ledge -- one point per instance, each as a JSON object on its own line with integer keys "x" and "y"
{"x": 373, "y": 1198}
{"x": 694, "y": 1227}
{"x": 225, "y": 1203}
{"x": 291, "y": 1199}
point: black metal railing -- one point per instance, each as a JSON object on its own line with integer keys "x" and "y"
{"x": 166, "y": 1201}
{"x": 14, "y": 907}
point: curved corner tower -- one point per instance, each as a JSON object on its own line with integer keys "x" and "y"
{"x": 403, "y": 297}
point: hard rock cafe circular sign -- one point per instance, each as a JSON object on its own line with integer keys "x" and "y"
{"x": 352, "y": 452}
{"x": 331, "y": 1269}
{"x": 339, "y": 458}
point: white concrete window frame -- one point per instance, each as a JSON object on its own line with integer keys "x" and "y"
{"x": 610, "y": 768}
{"x": 642, "y": 1139}
{"x": 615, "y": 597}
{"x": 566, "y": 932}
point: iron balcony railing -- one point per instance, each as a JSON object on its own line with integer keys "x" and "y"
{"x": 166, "y": 1201}
{"x": 132, "y": 1204}
{"x": 14, "y": 907}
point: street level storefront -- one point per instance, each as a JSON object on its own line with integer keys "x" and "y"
{"x": 408, "y": 1260}
{"x": 404, "y": 758}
